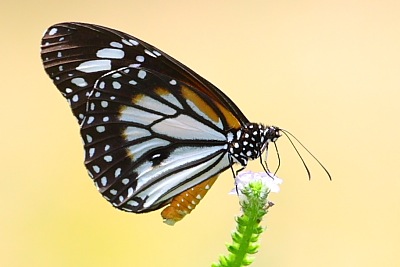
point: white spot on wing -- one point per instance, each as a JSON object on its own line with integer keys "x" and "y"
{"x": 156, "y": 53}
{"x": 90, "y": 120}
{"x": 96, "y": 168}
{"x": 116, "y": 75}
{"x": 134, "y": 42}
{"x": 104, "y": 104}
{"x": 89, "y": 138}
{"x": 91, "y": 151}
{"x": 110, "y": 53}
{"x": 117, "y": 172}
{"x": 79, "y": 82}
{"x": 108, "y": 158}
{"x": 116, "y": 44}
{"x": 94, "y": 66}
{"x": 126, "y": 42}
{"x": 150, "y": 53}
{"x": 53, "y": 31}
{"x": 133, "y": 203}
{"x": 104, "y": 181}
{"x": 102, "y": 85}
{"x": 75, "y": 98}
{"x": 141, "y": 74}
{"x": 136, "y": 65}
{"x": 100, "y": 129}
{"x": 116, "y": 85}
{"x": 140, "y": 58}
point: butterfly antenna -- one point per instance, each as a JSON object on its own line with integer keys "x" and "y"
{"x": 288, "y": 135}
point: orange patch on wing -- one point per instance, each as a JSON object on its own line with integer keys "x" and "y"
{"x": 186, "y": 201}
{"x": 129, "y": 154}
{"x": 200, "y": 103}
{"x": 137, "y": 98}
{"x": 161, "y": 91}
{"x": 230, "y": 118}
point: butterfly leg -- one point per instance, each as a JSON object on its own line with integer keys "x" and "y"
{"x": 235, "y": 173}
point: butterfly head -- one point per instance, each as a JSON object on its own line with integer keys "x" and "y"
{"x": 272, "y": 133}
{"x": 251, "y": 141}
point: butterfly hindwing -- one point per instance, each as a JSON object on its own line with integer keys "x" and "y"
{"x": 149, "y": 137}
{"x": 185, "y": 202}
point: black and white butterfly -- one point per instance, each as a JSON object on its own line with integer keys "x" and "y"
{"x": 154, "y": 131}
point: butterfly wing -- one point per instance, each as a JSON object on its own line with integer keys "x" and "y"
{"x": 149, "y": 137}
{"x": 75, "y": 55}
{"x": 152, "y": 128}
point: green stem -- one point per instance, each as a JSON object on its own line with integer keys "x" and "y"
{"x": 248, "y": 229}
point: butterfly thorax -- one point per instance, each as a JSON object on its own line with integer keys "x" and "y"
{"x": 250, "y": 141}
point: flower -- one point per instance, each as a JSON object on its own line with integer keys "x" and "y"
{"x": 269, "y": 180}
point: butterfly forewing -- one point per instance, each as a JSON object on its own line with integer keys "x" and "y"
{"x": 75, "y": 55}
{"x": 154, "y": 131}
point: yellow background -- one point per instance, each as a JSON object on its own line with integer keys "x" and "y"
{"x": 328, "y": 71}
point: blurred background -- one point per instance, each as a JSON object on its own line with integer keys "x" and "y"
{"x": 328, "y": 71}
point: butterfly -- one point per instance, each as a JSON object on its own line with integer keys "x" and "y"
{"x": 154, "y": 132}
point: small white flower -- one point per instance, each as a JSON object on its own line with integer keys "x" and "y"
{"x": 269, "y": 180}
